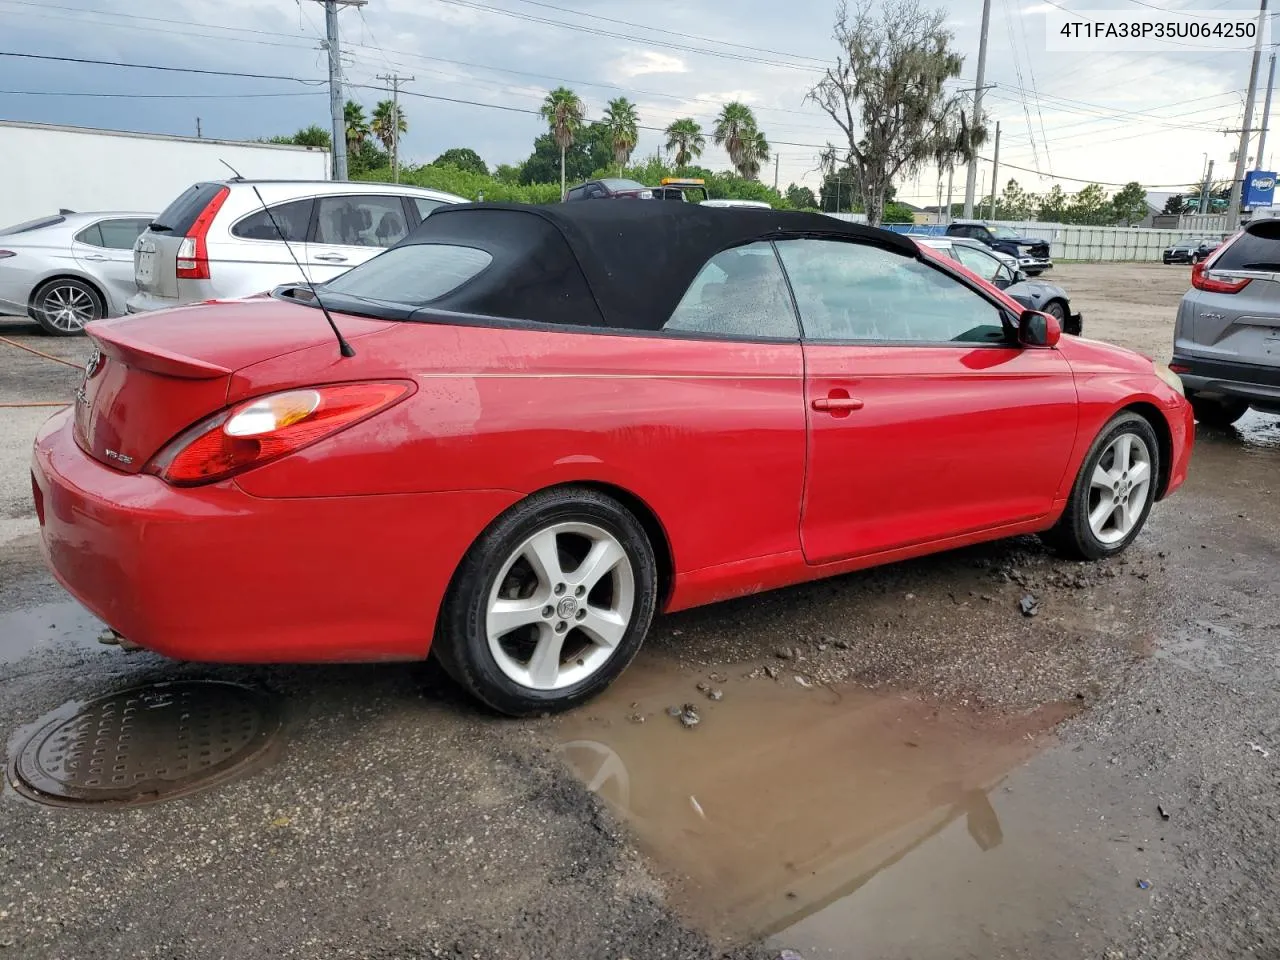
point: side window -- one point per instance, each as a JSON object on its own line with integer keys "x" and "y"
{"x": 981, "y": 233}
{"x": 425, "y": 206}
{"x": 91, "y": 235}
{"x": 360, "y": 221}
{"x": 578, "y": 193}
{"x": 121, "y": 234}
{"x": 739, "y": 292}
{"x": 857, "y": 292}
{"x": 983, "y": 264}
{"x": 594, "y": 191}
{"x": 293, "y": 218}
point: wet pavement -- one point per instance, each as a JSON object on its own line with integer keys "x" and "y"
{"x": 899, "y": 764}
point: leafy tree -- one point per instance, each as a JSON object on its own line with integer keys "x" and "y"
{"x": 1015, "y": 203}
{"x": 507, "y": 173}
{"x": 366, "y": 157}
{"x": 1053, "y": 206}
{"x": 842, "y": 190}
{"x": 312, "y": 136}
{"x": 1129, "y": 205}
{"x": 1174, "y": 204}
{"x": 388, "y": 122}
{"x": 589, "y": 152}
{"x": 886, "y": 94}
{"x": 685, "y": 137}
{"x": 801, "y": 198}
{"x": 563, "y": 111}
{"x": 736, "y": 131}
{"x": 1090, "y": 206}
{"x": 898, "y": 213}
{"x": 464, "y": 158}
{"x": 356, "y": 125}
{"x": 623, "y": 124}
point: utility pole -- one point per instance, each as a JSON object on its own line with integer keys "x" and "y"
{"x": 395, "y": 80}
{"x": 1237, "y": 185}
{"x": 1204, "y": 191}
{"x": 199, "y": 133}
{"x": 995, "y": 171}
{"x": 331, "y": 44}
{"x": 1266, "y": 113}
{"x": 972, "y": 175}
{"x": 951, "y": 170}
{"x": 776, "y": 158}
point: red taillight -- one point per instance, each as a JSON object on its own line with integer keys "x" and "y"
{"x": 256, "y": 432}
{"x": 1179, "y": 368}
{"x": 193, "y": 252}
{"x": 1201, "y": 279}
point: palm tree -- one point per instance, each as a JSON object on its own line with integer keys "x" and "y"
{"x": 563, "y": 111}
{"x": 735, "y": 125}
{"x": 684, "y": 136}
{"x": 623, "y": 125}
{"x": 384, "y": 127}
{"x": 357, "y": 126}
{"x": 755, "y": 151}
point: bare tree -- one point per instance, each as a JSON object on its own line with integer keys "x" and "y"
{"x": 886, "y": 94}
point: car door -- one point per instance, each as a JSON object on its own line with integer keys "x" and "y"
{"x": 925, "y": 420}
{"x": 352, "y": 228}
{"x": 105, "y": 249}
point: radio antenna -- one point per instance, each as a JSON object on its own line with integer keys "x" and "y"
{"x": 344, "y": 347}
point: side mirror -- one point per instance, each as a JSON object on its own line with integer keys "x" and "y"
{"x": 1019, "y": 276}
{"x": 1037, "y": 329}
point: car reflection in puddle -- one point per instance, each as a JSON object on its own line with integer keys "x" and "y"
{"x": 785, "y": 799}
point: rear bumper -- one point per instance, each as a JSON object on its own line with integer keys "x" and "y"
{"x": 214, "y": 574}
{"x": 1247, "y": 381}
{"x": 144, "y": 302}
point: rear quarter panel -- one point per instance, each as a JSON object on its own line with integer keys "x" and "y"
{"x": 710, "y": 435}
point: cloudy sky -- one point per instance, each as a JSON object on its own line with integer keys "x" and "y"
{"x": 1150, "y": 117}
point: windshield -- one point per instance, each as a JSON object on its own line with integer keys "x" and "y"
{"x": 617, "y": 184}
{"x": 413, "y": 275}
{"x": 1004, "y": 233}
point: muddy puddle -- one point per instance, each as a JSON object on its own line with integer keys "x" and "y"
{"x": 784, "y": 801}
{"x": 47, "y": 626}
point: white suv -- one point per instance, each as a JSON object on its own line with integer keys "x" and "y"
{"x": 216, "y": 241}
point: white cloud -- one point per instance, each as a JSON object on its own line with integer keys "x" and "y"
{"x": 648, "y": 61}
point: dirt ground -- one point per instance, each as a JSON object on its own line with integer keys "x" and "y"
{"x": 894, "y": 764}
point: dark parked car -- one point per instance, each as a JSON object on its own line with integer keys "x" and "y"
{"x": 610, "y": 188}
{"x": 1000, "y": 270}
{"x": 1192, "y": 250}
{"x": 1032, "y": 254}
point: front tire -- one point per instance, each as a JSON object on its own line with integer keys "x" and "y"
{"x": 1217, "y": 413}
{"x": 64, "y": 305}
{"x": 550, "y": 604}
{"x": 1113, "y": 493}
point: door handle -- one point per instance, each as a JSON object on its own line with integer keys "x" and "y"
{"x": 837, "y": 404}
{"x": 331, "y": 257}
{"x": 95, "y": 257}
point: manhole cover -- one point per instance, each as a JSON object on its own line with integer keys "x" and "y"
{"x": 148, "y": 743}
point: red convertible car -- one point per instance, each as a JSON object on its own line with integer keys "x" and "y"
{"x": 545, "y": 425}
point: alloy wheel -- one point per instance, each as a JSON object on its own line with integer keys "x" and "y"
{"x": 67, "y": 307}
{"x": 1119, "y": 488}
{"x": 560, "y": 605}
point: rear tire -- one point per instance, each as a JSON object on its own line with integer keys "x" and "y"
{"x": 1217, "y": 413}
{"x": 550, "y": 604}
{"x": 63, "y": 306}
{"x": 1113, "y": 493}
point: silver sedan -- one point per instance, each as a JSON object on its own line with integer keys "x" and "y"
{"x": 69, "y": 268}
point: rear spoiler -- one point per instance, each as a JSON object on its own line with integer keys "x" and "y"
{"x": 144, "y": 356}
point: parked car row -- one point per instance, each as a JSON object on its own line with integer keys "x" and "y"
{"x": 217, "y": 240}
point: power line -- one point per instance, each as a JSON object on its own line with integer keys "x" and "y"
{"x": 596, "y": 31}
{"x": 671, "y": 33}
{"x": 152, "y": 66}
{"x": 156, "y": 96}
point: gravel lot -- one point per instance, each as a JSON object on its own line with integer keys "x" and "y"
{"x": 898, "y": 764}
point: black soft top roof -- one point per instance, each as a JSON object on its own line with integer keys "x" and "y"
{"x": 613, "y": 263}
